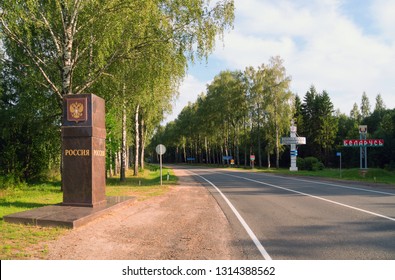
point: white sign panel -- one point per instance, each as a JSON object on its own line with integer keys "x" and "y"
{"x": 293, "y": 140}
{"x": 160, "y": 149}
{"x": 363, "y": 129}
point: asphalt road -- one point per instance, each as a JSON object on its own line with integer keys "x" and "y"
{"x": 280, "y": 218}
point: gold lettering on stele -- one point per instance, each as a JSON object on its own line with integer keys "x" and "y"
{"x": 99, "y": 153}
{"x": 75, "y": 153}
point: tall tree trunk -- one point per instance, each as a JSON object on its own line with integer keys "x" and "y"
{"x": 245, "y": 145}
{"x": 237, "y": 148}
{"x": 123, "y": 145}
{"x": 69, "y": 25}
{"x": 277, "y": 148}
{"x": 136, "y": 141}
{"x": 117, "y": 163}
{"x": 259, "y": 140}
{"x": 184, "y": 152}
{"x": 277, "y": 134}
{"x": 142, "y": 129}
{"x": 110, "y": 161}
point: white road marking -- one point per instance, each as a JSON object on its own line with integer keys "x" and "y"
{"x": 332, "y": 185}
{"x": 256, "y": 241}
{"x": 313, "y": 196}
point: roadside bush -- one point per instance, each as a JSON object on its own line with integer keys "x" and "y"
{"x": 313, "y": 164}
{"x": 300, "y": 163}
{"x": 11, "y": 182}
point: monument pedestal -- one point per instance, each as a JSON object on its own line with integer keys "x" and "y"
{"x": 84, "y": 167}
{"x": 83, "y": 150}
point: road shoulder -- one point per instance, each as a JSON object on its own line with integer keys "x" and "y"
{"x": 184, "y": 224}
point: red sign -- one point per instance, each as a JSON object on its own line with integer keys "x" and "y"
{"x": 252, "y": 157}
{"x": 363, "y": 143}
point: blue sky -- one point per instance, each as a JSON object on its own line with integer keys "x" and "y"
{"x": 345, "y": 47}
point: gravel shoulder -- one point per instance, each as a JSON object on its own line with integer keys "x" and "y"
{"x": 184, "y": 224}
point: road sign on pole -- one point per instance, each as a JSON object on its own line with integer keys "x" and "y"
{"x": 293, "y": 141}
{"x": 339, "y": 154}
{"x": 160, "y": 150}
{"x": 252, "y": 159}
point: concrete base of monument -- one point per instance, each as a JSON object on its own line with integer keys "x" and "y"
{"x": 67, "y": 216}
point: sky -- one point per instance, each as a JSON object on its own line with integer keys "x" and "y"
{"x": 345, "y": 47}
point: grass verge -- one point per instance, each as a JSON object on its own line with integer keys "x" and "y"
{"x": 143, "y": 186}
{"x": 28, "y": 242}
{"x": 371, "y": 175}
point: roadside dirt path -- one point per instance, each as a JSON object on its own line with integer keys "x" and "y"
{"x": 184, "y": 224}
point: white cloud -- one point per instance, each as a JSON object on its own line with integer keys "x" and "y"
{"x": 321, "y": 44}
{"x": 383, "y": 12}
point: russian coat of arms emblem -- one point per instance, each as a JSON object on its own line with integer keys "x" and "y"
{"x": 76, "y": 109}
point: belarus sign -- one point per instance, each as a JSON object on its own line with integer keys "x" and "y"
{"x": 293, "y": 140}
{"x": 363, "y": 143}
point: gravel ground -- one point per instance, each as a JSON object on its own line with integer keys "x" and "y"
{"x": 184, "y": 224}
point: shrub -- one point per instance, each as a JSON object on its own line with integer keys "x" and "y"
{"x": 300, "y": 163}
{"x": 11, "y": 182}
{"x": 313, "y": 164}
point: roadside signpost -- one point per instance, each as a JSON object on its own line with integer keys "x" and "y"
{"x": 227, "y": 159}
{"x": 191, "y": 159}
{"x": 293, "y": 140}
{"x": 363, "y": 143}
{"x": 339, "y": 154}
{"x": 160, "y": 150}
{"x": 252, "y": 159}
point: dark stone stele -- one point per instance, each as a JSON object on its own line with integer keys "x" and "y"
{"x": 83, "y": 150}
{"x": 83, "y": 173}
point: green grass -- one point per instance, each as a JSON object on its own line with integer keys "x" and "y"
{"x": 373, "y": 175}
{"x": 143, "y": 186}
{"x": 20, "y": 241}
{"x": 27, "y": 242}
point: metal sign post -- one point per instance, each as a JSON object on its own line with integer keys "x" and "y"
{"x": 160, "y": 150}
{"x": 252, "y": 159}
{"x": 363, "y": 152}
{"x": 339, "y": 154}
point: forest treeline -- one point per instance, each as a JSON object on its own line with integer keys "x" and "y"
{"x": 245, "y": 113}
{"x": 132, "y": 53}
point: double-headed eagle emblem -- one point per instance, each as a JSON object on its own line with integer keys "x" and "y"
{"x": 76, "y": 110}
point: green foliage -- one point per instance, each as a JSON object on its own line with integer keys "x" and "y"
{"x": 300, "y": 163}
{"x": 130, "y": 52}
{"x": 319, "y": 125}
{"x": 26, "y": 242}
{"x": 10, "y": 181}
{"x": 29, "y": 124}
{"x": 313, "y": 164}
{"x": 238, "y": 108}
